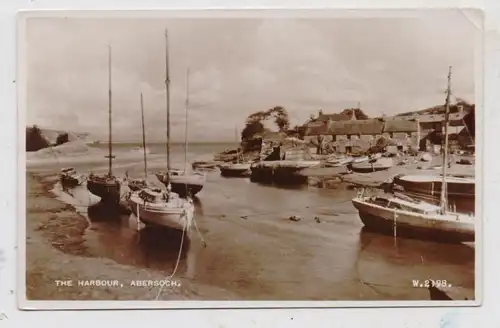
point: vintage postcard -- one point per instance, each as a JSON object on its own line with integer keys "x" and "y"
{"x": 193, "y": 159}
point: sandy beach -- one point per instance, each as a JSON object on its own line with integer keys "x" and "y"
{"x": 55, "y": 250}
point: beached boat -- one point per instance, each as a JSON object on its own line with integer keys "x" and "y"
{"x": 238, "y": 169}
{"x": 432, "y": 185}
{"x": 201, "y": 165}
{"x": 70, "y": 178}
{"x": 371, "y": 165}
{"x": 106, "y": 186}
{"x": 338, "y": 161}
{"x": 158, "y": 207}
{"x": 154, "y": 206}
{"x": 405, "y": 216}
{"x": 235, "y": 169}
{"x": 184, "y": 182}
{"x": 414, "y": 219}
{"x": 360, "y": 159}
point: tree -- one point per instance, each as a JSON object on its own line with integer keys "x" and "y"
{"x": 358, "y": 113}
{"x": 255, "y": 126}
{"x": 252, "y": 128}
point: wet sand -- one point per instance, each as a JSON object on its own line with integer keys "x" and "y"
{"x": 56, "y": 250}
{"x": 254, "y": 252}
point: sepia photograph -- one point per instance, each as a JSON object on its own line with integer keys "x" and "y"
{"x": 320, "y": 157}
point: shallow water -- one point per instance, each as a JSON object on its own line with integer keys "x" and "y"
{"x": 255, "y": 251}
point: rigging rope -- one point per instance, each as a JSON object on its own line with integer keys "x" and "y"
{"x": 178, "y": 256}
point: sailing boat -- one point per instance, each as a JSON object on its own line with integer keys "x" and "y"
{"x": 157, "y": 207}
{"x": 106, "y": 186}
{"x": 184, "y": 182}
{"x": 70, "y": 178}
{"x": 137, "y": 184}
{"x": 405, "y": 216}
{"x": 237, "y": 169}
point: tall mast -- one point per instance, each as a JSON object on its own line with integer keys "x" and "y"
{"x": 236, "y": 138}
{"x": 444, "y": 186}
{"x": 167, "y": 86}
{"x": 144, "y": 141}
{"x": 110, "y": 141}
{"x": 186, "y": 123}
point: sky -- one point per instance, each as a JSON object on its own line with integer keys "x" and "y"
{"x": 237, "y": 67}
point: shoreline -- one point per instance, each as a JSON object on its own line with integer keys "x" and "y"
{"x": 55, "y": 235}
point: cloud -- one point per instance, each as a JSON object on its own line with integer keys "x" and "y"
{"x": 241, "y": 66}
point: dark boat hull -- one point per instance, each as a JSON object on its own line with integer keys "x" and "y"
{"x": 384, "y": 226}
{"x": 433, "y": 188}
{"x": 277, "y": 175}
{"x": 109, "y": 192}
{"x": 184, "y": 190}
{"x": 234, "y": 173}
{"x": 367, "y": 169}
{"x": 68, "y": 181}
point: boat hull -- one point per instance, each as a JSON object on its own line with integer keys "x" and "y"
{"x": 235, "y": 170}
{"x": 230, "y": 172}
{"x": 184, "y": 185}
{"x": 433, "y": 187}
{"x": 174, "y": 218}
{"x": 413, "y": 225}
{"x": 109, "y": 192}
{"x": 185, "y": 189}
{"x": 71, "y": 181}
{"x": 367, "y": 167}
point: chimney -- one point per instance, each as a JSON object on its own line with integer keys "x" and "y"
{"x": 353, "y": 114}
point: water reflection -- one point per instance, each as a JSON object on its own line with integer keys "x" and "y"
{"x": 198, "y": 206}
{"x": 103, "y": 212}
{"x": 379, "y": 256}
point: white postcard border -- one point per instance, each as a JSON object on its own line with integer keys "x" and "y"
{"x": 23, "y": 303}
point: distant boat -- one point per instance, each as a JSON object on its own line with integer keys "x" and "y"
{"x": 432, "y": 185}
{"x": 238, "y": 169}
{"x": 140, "y": 150}
{"x": 184, "y": 182}
{"x": 235, "y": 169}
{"x": 157, "y": 207}
{"x": 360, "y": 159}
{"x": 339, "y": 161}
{"x": 404, "y": 216}
{"x": 106, "y": 186}
{"x": 70, "y": 178}
{"x": 204, "y": 165}
{"x": 371, "y": 165}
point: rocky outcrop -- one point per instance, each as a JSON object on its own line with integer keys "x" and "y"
{"x": 37, "y": 138}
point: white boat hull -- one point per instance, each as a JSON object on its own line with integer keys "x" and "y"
{"x": 451, "y": 227}
{"x": 177, "y": 214}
